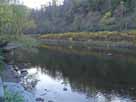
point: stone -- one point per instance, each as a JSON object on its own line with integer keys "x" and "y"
{"x": 16, "y": 69}
{"x": 109, "y": 54}
{"x": 50, "y": 101}
{"x": 65, "y": 89}
{"x": 23, "y": 73}
{"x": 45, "y": 89}
{"x": 43, "y": 94}
{"x": 39, "y": 99}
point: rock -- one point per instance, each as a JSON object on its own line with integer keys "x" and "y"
{"x": 39, "y": 99}
{"x": 109, "y": 54}
{"x": 3, "y": 44}
{"x": 132, "y": 88}
{"x": 23, "y": 73}
{"x": 45, "y": 89}
{"x": 65, "y": 89}
{"x": 63, "y": 83}
{"x": 44, "y": 94}
{"x": 15, "y": 68}
{"x": 50, "y": 101}
{"x": 16, "y": 74}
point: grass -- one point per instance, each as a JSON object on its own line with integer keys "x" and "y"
{"x": 129, "y": 36}
{"x": 12, "y": 97}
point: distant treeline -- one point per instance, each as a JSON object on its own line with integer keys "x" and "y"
{"x": 85, "y": 15}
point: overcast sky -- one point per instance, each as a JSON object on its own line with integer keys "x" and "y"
{"x": 38, "y": 3}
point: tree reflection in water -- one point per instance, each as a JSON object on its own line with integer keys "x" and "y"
{"x": 90, "y": 71}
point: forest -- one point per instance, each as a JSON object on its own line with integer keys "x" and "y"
{"x": 84, "y": 16}
{"x": 73, "y": 51}
{"x": 71, "y": 16}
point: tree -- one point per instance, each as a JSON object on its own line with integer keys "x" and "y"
{"x": 14, "y": 19}
{"x": 86, "y": 15}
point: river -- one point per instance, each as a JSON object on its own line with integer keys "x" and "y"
{"x": 76, "y": 74}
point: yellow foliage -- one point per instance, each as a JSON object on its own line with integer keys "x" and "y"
{"x": 106, "y": 35}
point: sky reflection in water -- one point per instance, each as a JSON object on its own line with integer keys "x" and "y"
{"x": 50, "y": 88}
{"x": 88, "y": 75}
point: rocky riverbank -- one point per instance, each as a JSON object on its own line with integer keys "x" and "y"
{"x": 11, "y": 83}
{"x": 17, "y": 89}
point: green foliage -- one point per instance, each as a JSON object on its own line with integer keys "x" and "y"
{"x": 13, "y": 97}
{"x": 26, "y": 41}
{"x": 86, "y": 15}
{"x": 5, "y": 18}
{"x": 14, "y": 19}
{"x": 21, "y": 19}
{"x": 1, "y": 60}
{"x": 107, "y": 18}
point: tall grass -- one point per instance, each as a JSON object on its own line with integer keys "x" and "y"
{"x": 81, "y": 36}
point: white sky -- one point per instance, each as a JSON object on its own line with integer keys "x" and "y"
{"x": 38, "y": 3}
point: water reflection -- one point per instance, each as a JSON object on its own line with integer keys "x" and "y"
{"x": 88, "y": 75}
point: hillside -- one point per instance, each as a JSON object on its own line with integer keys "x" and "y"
{"x": 85, "y": 15}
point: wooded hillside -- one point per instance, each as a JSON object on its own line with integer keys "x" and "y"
{"x": 85, "y": 15}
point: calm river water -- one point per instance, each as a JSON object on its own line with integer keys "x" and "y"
{"x": 75, "y": 74}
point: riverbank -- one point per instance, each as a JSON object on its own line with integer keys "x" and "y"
{"x": 71, "y": 71}
{"x": 15, "y": 92}
{"x": 13, "y": 89}
{"x": 93, "y": 39}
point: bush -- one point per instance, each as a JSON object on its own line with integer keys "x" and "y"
{"x": 26, "y": 41}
